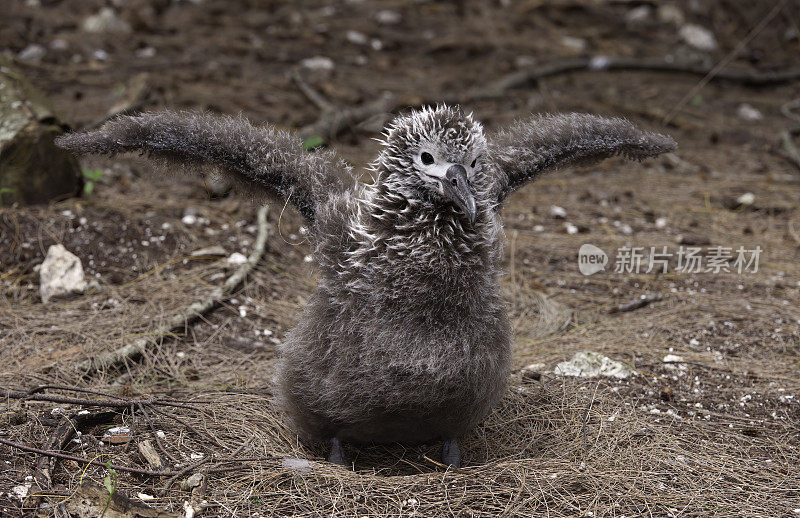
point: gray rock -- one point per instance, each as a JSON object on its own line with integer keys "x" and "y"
{"x": 61, "y": 274}
{"x": 589, "y": 364}
{"x": 32, "y": 168}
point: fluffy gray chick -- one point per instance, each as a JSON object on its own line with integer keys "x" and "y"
{"x": 406, "y": 339}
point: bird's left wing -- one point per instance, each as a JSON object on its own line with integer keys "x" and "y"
{"x": 546, "y": 142}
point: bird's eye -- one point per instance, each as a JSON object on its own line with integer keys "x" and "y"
{"x": 427, "y": 158}
{"x": 474, "y": 162}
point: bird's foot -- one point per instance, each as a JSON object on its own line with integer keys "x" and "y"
{"x": 451, "y": 455}
{"x": 337, "y": 455}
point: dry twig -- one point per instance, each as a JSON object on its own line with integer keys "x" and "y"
{"x": 333, "y": 120}
{"x": 180, "y": 320}
{"x": 534, "y": 73}
{"x": 641, "y": 302}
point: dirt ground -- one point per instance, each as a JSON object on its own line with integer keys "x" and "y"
{"x": 713, "y": 433}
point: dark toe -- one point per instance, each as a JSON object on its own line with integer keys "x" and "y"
{"x": 451, "y": 455}
{"x": 337, "y": 455}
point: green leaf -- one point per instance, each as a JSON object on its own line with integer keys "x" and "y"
{"x": 109, "y": 484}
{"x": 697, "y": 100}
{"x": 314, "y": 142}
{"x": 6, "y": 190}
{"x": 92, "y": 174}
{"x": 88, "y": 187}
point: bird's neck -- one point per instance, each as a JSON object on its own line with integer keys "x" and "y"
{"x": 409, "y": 226}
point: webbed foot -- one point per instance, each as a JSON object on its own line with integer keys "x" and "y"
{"x": 337, "y": 455}
{"x": 451, "y": 455}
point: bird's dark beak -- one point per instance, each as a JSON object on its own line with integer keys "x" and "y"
{"x": 456, "y": 187}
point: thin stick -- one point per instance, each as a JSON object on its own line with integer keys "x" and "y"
{"x": 138, "y": 471}
{"x": 83, "y": 460}
{"x": 196, "y": 310}
{"x": 311, "y": 93}
{"x": 639, "y": 303}
{"x": 534, "y": 73}
{"x": 109, "y": 403}
{"x": 331, "y": 123}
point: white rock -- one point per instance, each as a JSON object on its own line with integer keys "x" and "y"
{"x": 21, "y": 491}
{"x": 558, "y": 212}
{"x": 237, "y": 259}
{"x": 32, "y": 53}
{"x": 144, "y": 496}
{"x": 673, "y": 358}
{"x": 359, "y": 38}
{"x": 301, "y": 465}
{"x": 61, "y": 274}
{"x": 748, "y": 113}
{"x": 669, "y": 13}
{"x": 570, "y": 228}
{"x": 117, "y": 430}
{"x": 524, "y": 60}
{"x": 661, "y": 222}
{"x": 106, "y": 20}
{"x": 574, "y": 44}
{"x": 589, "y": 364}
{"x": 638, "y": 15}
{"x": 746, "y": 199}
{"x": 318, "y": 63}
{"x": 388, "y": 17}
{"x": 599, "y": 62}
{"x": 698, "y": 37}
{"x": 59, "y": 44}
{"x": 146, "y": 52}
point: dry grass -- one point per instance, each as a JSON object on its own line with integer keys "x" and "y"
{"x": 715, "y": 437}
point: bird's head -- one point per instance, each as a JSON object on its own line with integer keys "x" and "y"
{"x": 437, "y": 153}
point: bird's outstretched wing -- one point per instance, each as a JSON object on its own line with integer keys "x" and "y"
{"x": 259, "y": 159}
{"x": 545, "y": 142}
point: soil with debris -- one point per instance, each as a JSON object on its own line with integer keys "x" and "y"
{"x": 705, "y": 421}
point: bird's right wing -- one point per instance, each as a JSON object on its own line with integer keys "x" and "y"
{"x": 544, "y": 143}
{"x": 259, "y": 159}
